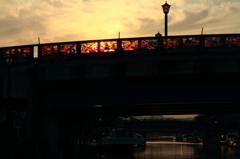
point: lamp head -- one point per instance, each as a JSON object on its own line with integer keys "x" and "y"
{"x": 166, "y": 8}
{"x": 158, "y": 34}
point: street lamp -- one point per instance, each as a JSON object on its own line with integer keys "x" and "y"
{"x": 158, "y": 34}
{"x": 166, "y": 8}
{"x": 8, "y": 113}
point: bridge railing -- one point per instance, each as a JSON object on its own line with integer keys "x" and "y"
{"x": 121, "y": 45}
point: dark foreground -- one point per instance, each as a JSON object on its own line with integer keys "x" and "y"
{"x": 169, "y": 150}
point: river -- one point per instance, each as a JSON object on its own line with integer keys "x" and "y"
{"x": 177, "y": 150}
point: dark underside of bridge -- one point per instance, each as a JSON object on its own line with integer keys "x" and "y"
{"x": 146, "y": 95}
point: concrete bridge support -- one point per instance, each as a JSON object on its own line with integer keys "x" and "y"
{"x": 48, "y": 135}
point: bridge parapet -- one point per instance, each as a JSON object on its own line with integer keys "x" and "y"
{"x": 192, "y": 43}
{"x": 143, "y": 56}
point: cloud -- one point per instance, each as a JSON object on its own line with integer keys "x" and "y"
{"x": 147, "y": 27}
{"x": 192, "y": 21}
{"x": 56, "y": 4}
{"x": 22, "y": 21}
{"x": 20, "y": 30}
{"x": 222, "y": 18}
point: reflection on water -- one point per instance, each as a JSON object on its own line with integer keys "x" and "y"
{"x": 167, "y": 150}
{"x": 178, "y": 150}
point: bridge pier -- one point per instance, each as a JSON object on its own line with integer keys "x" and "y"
{"x": 48, "y": 131}
{"x": 67, "y": 136}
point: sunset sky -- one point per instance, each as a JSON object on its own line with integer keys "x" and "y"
{"x": 23, "y": 21}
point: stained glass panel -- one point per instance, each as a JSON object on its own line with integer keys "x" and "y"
{"x": 170, "y": 43}
{"x": 23, "y": 52}
{"x": 66, "y": 49}
{"x": 232, "y": 41}
{"x": 191, "y": 42}
{"x": 213, "y": 41}
{"x": 129, "y": 45}
{"x": 8, "y": 52}
{"x": 149, "y": 43}
{"x": 89, "y": 47}
{"x": 108, "y": 46}
{"x": 49, "y": 50}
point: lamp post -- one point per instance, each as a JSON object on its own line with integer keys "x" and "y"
{"x": 8, "y": 113}
{"x": 158, "y": 34}
{"x": 166, "y": 8}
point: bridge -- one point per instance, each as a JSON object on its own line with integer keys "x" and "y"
{"x": 167, "y": 72}
{"x": 61, "y": 83}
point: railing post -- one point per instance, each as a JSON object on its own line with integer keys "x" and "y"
{"x": 98, "y": 47}
{"x": 139, "y": 44}
{"x": 79, "y": 48}
{"x": 159, "y": 44}
{"x": 202, "y": 41}
{"x": 223, "y": 41}
{"x": 119, "y": 46}
{"x": 181, "y": 42}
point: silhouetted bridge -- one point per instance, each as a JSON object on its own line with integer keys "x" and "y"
{"x": 59, "y": 84}
{"x": 177, "y": 74}
{"x": 189, "y": 74}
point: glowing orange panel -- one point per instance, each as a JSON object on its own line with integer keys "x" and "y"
{"x": 23, "y": 52}
{"x": 108, "y": 46}
{"x": 66, "y": 49}
{"x": 149, "y": 44}
{"x": 9, "y": 52}
{"x": 129, "y": 45}
{"x": 49, "y": 50}
{"x": 89, "y": 47}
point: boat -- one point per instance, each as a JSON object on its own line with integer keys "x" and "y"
{"x": 140, "y": 141}
{"x": 234, "y": 143}
{"x": 233, "y": 139}
{"x": 190, "y": 138}
{"x": 177, "y": 136}
{"x": 223, "y": 140}
{"x": 208, "y": 139}
{"x": 120, "y": 139}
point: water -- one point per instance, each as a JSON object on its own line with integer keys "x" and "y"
{"x": 183, "y": 150}
{"x": 178, "y": 150}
